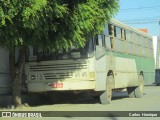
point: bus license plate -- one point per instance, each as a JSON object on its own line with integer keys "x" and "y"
{"x": 56, "y": 85}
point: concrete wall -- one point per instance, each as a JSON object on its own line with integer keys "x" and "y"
{"x": 156, "y": 45}
{"x": 5, "y": 82}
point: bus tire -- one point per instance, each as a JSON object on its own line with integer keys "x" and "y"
{"x": 130, "y": 91}
{"x": 106, "y": 96}
{"x": 138, "y": 90}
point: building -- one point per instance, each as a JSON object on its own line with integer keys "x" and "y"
{"x": 144, "y": 30}
{"x": 5, "y": 81}
{"x": 156, "y": 47}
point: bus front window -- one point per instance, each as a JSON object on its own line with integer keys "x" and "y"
{"x": 72, "y": 53}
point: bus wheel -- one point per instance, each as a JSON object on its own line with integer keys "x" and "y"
{"x": 130, "y": 91}
{"x": 140, "y": 89}
{"x": 105, "y": 96}
{"x": 136, "y": 91}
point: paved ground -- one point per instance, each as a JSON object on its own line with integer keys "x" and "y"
{"x": 149, "y": 102}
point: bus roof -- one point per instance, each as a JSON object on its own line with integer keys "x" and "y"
{"x": 120, "y": 24}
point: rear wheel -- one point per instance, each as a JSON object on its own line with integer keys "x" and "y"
{"x": 106, "y": 96}
{"x": 137, "y": 91}
{"x": 140, "y": 89}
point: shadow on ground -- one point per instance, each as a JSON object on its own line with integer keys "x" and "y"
{"x": 57, "y": 98}
{"x": 71, "y": 98}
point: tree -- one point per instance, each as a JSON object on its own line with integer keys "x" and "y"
{"x": 49, "y": 25}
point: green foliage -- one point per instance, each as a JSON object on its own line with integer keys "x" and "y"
{"x": 53, "y": 24}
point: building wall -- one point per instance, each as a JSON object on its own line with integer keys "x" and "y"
{"x": 156, "y": 47}
{"x": 5, "y": 81}
{"x": 144, "y": 30}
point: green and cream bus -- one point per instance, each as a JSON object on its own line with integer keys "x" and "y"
{"x": 119, "y": 58}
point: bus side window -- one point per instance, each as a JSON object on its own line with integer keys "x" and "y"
{"x": 99, "y": 40}
{"x": 106, "y": 30}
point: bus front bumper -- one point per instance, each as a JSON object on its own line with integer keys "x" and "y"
{"x": 61, "y": 86}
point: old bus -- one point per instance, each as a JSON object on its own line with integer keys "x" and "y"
{"x": 120, "y": 57}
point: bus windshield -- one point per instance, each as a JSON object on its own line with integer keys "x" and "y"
{"x": 72, "y": 53}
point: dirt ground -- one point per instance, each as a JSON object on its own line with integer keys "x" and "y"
{"x": 85, "y": 102}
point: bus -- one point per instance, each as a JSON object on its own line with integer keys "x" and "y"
{"x": 121, "y": 57}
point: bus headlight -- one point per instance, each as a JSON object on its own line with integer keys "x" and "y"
{"x": 39, "y": 77}
{"x": 92, "y": 75}
{"x": 33, "y": 77}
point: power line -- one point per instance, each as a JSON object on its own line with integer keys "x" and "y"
{"x": 141, "y": 21}
{"x": 149, "y": 22}
{"x": 140, "y": 8}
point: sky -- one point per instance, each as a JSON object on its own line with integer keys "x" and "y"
{"x": 140, "y": 14}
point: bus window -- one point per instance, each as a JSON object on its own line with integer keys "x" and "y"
{"x": 150, "y": 48}
{"x": 137, "y": 45}
{"x": 128, "y": 36}
{"x": 99, "y": 40}
{"x": 119, "y": 42}
{"x": 108, "y": 42}
{"x": 106, "y": 30}
{"x": 129, "y": 43}
{"x": 150, "y": 44}
{"x": 137, "y": 39}
{"x": 144, "y": 46}
{"x": 118, "y": 33}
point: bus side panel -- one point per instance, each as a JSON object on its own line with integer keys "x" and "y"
{"x": 125, "y": 72}
{"x": 146, "y": 65}
{"x": 148, "y": 71}
{"x": 101, "y": 75}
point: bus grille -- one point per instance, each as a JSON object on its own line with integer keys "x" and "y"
{"x": 49, "y": 76}
{"x": 58, "y": 71}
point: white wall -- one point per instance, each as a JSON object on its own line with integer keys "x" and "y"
{"x": 155, "y": 48}
{"x": 156, "y": 41}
